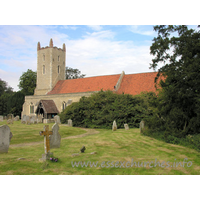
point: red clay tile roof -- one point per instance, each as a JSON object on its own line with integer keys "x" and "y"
{"x": 131, "y": 84}
{"x": 136, "y": 83}
{"x": 90, "y": 84}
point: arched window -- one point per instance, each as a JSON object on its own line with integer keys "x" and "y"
{"x": 58, "y": 58}
{"x": 58, "y": 69}
{"x": 63, "y": 105}
{"x": 31, "y": 108}
{"x": 43, "y": 69}
{"x": 43, "y": 57}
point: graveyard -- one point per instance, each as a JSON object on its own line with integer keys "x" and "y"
{"x": 114, "y": 150}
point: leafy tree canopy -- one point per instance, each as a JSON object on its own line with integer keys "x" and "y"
{"x": 27, "y": 82}
{"x": 4, "y": 87}
{"x": 177, "y": 50}
{"x": 73, "y": 73}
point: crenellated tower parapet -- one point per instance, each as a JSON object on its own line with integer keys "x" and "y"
{"x": 50, "y": 67}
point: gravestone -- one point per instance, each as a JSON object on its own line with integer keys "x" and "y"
{"x": 126, "y": 126}
{"x": 33, "y": 119}
{"x": 57, "y": 119}
{"x": 114, "y": 126}
{"x": 28, "y": 120}
{"x": 16, "y": 118}
{"x": 5, "y": 137}
{"x": 1, "y": 118}
{"x": 23, "y": 120}
{"x": 70, "y": 122}
{"x": 10, "y": 116}
{"x": 142, "y": 126}
{"x": 46, "y": 134}
{"x": 55, "y": 139}
{"x": 9, "y": 121}
{"x": 39, "y": 119}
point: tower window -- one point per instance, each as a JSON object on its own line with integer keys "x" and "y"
{"x": 58, "y": 69}
{"x": 43, "y": 57}
{"x": 43, "y": 69}
{"x": 58, "y": 58}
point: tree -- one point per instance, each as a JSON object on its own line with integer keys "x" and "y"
{"x": 177, "y": 49}
{"x": 73, "y": 73}
{"x": 5, "y": 88}
{"x": 27, "y": 82}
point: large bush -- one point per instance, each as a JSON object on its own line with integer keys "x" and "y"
{"x": 102, "y": 108}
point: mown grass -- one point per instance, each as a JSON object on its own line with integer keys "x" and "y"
{"x": 121, "y": 145}
{"x": 23, "y": 133}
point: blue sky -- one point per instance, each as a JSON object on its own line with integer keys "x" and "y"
{"x": 94, "y": 49}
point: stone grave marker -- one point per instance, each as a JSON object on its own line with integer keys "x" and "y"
{"x": 28, "y": 120}
{"x": 126, "y": 126}
{"x": 57, "y": 119}
{"x": 16, "y": 118}
{"x": 46, "y": 134}
{"x": 142, "y": 126}
{"x": 70, "y": 122}
{"x": 5, "y": 137}
{"x": 1, "y": 118}
{"x": 9, "y": 121}
{"x": 23, "y": 120}
{"x": 39, "y": 119}
{"x": 114, "y": 126}
{"x": 55, "y": 139}
{"x": 10, "y": 116}
{"x": 33, "y": 119}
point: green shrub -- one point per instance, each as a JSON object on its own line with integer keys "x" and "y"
{"x": 102, "y": 108}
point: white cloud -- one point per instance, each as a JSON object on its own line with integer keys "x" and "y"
{"x": 140, "y": 30}
{"x": 95, "y": 27}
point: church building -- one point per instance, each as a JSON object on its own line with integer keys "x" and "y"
{"x": 53, "y": 93}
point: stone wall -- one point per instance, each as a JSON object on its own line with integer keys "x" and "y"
{"x": 58, "y": 99}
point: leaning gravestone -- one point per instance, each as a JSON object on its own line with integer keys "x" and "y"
{"x": 5, "y": 137}
{"x": 114, "y": 126}
{"x": 1, "y": 118}
{"x": 126, "y": 126}
{"x": 23, "y": 120}
{"x": 55, "y": 138}
{"x": 69, "y": 122}
{"x": 142, "y": 126}
{"x": 33, "y": 119}
{"x": 57, "y": 119}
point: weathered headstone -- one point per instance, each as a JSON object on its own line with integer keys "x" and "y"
{"x": 142, "y": 126}
{"x": 10, "y": 116}
{"x": 33, "y": 119}
{"x": 5, "y": 137}
{"x": 39, "y": 119}
{"x": 28, "y": 120}
{"x": 46, "y": 134}
{"x": 23, "y": 120}
{"x": 16, "y": 118}
{"x": 70, "y": 122}
{"x": 1, "y": 118}
{"x": 114, "y": 126}
{"x": 9, "y": 121}
{"x": 57, "y": 119}
{"x": 55, "y": 139}
{"x": 126, "y": 126}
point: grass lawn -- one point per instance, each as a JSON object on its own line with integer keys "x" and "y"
{"x": 124, "y": 146}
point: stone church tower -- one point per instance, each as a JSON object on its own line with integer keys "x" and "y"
{"x": 50, "y": 67}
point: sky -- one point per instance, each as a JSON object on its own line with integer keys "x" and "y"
{"x": 93, "y": 49}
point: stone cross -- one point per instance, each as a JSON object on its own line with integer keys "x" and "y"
{"x": 46, "y": 134}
